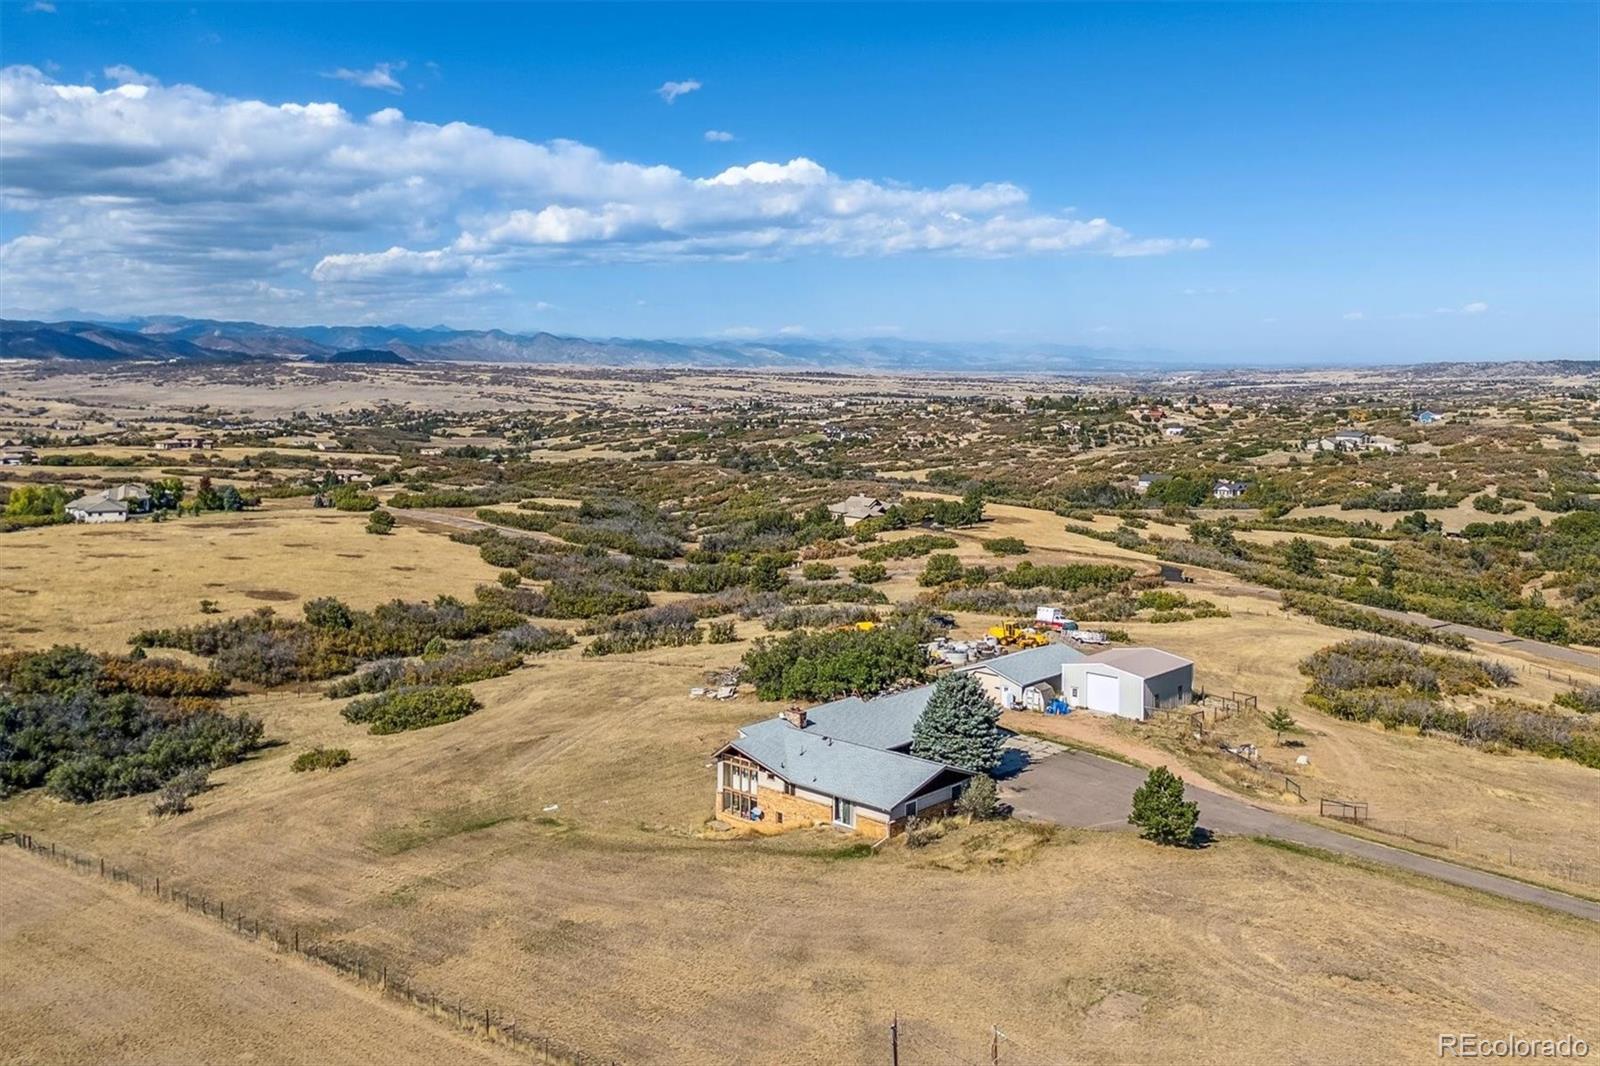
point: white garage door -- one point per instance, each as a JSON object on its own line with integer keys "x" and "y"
{"x": 1102, "y": 693}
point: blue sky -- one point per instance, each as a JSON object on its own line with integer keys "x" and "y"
{"x": 1253, "y": 182}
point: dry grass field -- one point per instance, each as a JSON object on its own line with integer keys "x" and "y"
{"x": 96, "y": 585}
{"x": 548, "y": 857}
{"x": 149, "y": 984}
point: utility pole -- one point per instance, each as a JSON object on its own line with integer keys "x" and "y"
{"x": 894, "y": 1041}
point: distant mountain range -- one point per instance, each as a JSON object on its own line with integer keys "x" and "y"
{"x": 176, "y": 339}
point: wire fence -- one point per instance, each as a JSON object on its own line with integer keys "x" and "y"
{"x": 377, "y": 976}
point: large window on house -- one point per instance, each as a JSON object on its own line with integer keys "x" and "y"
{"x": 844, "y": 812}
{"x": 739, "y": 775}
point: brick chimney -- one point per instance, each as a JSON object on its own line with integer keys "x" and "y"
{"x": 795, "y": 716}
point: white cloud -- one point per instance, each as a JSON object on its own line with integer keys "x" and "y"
{"x": 1354, "y": 316}
{"x": 1476, "y": 307}
{"x": 719, "y": 136}
{"x": 381, "y": 76}
{"x": 43, "y": 7}
{"x": 122, "y": 74}
{"x": 141, "y": 196}
{"x": 671, "y": 90}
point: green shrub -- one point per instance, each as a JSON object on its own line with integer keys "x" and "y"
{"x": 980, "y": 800}
{"x": 1585, "y": 700}
{"x": 380, "y": 523}
{"x": 869, "y": 573}
{"x": 921, "y": 544}
{"x": 404, "y": 709}
{"x": 350, "y": 500}
{"x": 940, "y": 569}
{"x": 320, "y": 759}
{"x": 1005, "y": 546}
{"x": 819, "y": 572}
{"x": 721, "y": 632}
{"x": 835, "y": 663}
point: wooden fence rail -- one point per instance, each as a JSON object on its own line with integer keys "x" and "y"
{"x": 481, "y": 1021}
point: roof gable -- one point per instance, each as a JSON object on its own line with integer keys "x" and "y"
{"x": 869, "y": 776}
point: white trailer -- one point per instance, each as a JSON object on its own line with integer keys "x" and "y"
{"x": 1054, "y": 618}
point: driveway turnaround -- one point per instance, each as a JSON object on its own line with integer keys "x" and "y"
{"x": 1078, "y": 789}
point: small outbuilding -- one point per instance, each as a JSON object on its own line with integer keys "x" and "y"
{"x": 1021, "y": 678}
{"x": 1128, "y": 682}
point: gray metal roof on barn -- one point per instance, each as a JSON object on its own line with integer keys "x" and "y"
{"x": 1143, "y": 662}
{"x": 1032, "y": 666}
{"x": 811, "y": 760}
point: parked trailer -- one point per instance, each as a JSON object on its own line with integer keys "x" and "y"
{"x": 1090, "y": 636}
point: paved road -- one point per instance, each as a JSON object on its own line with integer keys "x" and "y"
{"x": 1556, "y": 652}
{"x": 1078, "y": 789}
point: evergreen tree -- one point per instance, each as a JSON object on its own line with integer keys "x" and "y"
{"x": 958, "y": 727}
{"x": 1161, "y": 812}
{"x": 1280, "y": 722}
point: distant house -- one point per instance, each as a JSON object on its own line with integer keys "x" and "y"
{"x": 430, "y": 451}
{"x": 1228, "y": 490}
{"x": 1030, "y": 678}
{"x": 855, "y": 509}
{"x": 1145, "y": 481}
{"x": 351, "y": 476}
{"x": 844, "y": 763}
{"x": 18, "y": 457}
{"x": 184, "y": 444}
{"x": 1174, "y": 429}
{"x": 110, "y": 505}
{"x": 1428, "y": 418}
{"x": 1128, "y": 682}
{"x": 1352, "y": 440}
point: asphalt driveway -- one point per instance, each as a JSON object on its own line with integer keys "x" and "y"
{"x": 1078, "y": 789}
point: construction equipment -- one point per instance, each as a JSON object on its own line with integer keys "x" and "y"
{"x": 1011, "y": 634}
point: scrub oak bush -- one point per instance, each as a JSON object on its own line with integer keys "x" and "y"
{"x": 403, "y": 709}
{"x": 86, "y": 733}
{"x": 835, "y": 663}
{"x": 320, "y": 759}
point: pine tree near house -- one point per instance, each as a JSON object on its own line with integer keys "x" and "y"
{"x": 959, "y": 726}
{"x": 1280, "y": 722}
{"x": 1161, "y": 812}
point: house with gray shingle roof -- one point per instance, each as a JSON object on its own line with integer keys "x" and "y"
{"x": 843, "y": 763}
{"x": 853, "y": 509}
{"x": 110, "y": 505}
